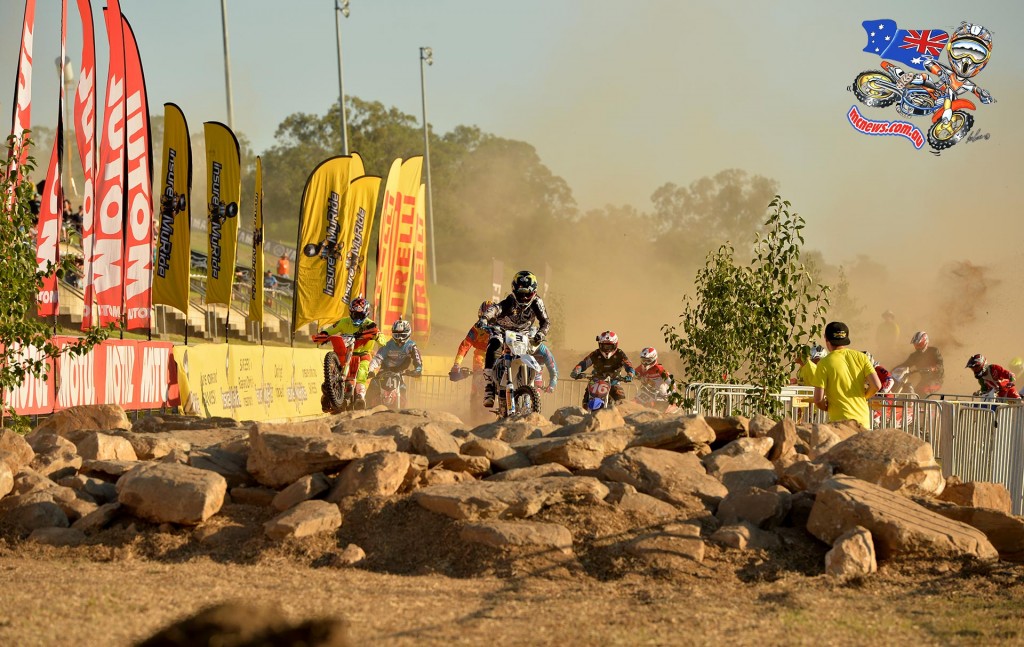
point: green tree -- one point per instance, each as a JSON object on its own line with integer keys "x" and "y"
{"x": 749, "y": 322}
{"x": 25, "y": 340}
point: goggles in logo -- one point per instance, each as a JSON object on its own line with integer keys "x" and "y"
{"x": 969, "y": 48}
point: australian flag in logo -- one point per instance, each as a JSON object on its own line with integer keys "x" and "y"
{"x": 907, "y": 46}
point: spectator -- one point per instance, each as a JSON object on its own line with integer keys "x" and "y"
{"x": 269, "y": 285}
{"x": 840, "y": 377}
{"x": 283, "y": 266}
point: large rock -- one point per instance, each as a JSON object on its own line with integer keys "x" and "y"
{"x": 899, "y": 526}
{"x": 15, "y": 450}
{"x": 57, "y": 536}
{"x": 280, "y": 454}
{"x": 742, "y": 464}
{"x": 55, "y": 456}
{"x": 582, "y": 451}
{"x": 1005, "y": 531}
{"x": 304, "y": 489}
{"x": 514, "y": 430}
{"x": 805, "y": 476}
{"x": 518, "y": 534}
{"x": 475, "y": 465}
{"x": 172, "y": 493}
{"x": 149, "y": 446}
{"x": 852, "y": 555}
{"x": 505, "y": 499}
{"x": 305, "y": 519}
{"x": 728, "y": 428}
{"x": 674, "y": 432}
{"x": 977, "y": 494}
{"x": 784, "y": 439}
{"x": 667, "y": 475}
{"x": 600, "y": 420}
{"x": 6, "y": 480}
{"x": 91, "y": 417}
{"x": 531, "y": 472}
{"x": 762, "y": 508}
{"x": 29, "y": 512}
{"x": 676, "y": 546}
{"x": 98, "y": 446}
{"x": 380, "y": 474}
{"x": 28, "y": 480}
{"x": 888, "y": 457}
{"x": 746, "y": 536}
{"x": 646, "y": 505}
{"x": 230, "y": 460}
{"x": 568, "y": 415}
{"x": 432, "y": 439}
{"x": 98, "y": 519}
{"x": 501, "y": 455}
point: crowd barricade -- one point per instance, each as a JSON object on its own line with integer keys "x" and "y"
{"x": 971, "y": 437}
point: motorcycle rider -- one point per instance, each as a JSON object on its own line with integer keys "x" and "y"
{"x": 884, "y": 376}
{"x": 652, "y": 374}
{"x": 992, "y": 378}
{"x": 366, "y": 336}
{"x": 607, "y": 361}
{"x": 395, "y": 356}
{"x": 516, "y": 312}
{"x": 925, "y": 363}
{"x": 477, "y": 338}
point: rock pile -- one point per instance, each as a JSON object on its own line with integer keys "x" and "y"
{"x": 626, "y": 486}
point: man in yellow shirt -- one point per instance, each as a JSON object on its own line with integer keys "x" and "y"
{"x": 840, "y": 378}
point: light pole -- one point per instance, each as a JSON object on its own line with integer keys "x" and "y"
{"x": 67, "y": 76}
{"x": 427, "y": 58}
{"x": 341, "y": 9}
{"x": 227, "y": 63}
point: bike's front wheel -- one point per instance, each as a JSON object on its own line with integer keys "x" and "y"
{"x": 527, "y": 399}
{"x": 874, "y": 89}
{"x": 333, "y": 379}
{"x": 945, "y": 135}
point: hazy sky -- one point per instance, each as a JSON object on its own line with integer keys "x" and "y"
{"x": 617, "y": 97}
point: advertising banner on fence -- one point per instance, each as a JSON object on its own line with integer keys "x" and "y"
{"x": 85, "y": 134}
{"x": 35, "y": 394}
{"x": 256, "y": 297}
{"x": 420, "y": 301}
{"x": 107, "y": 260}
{"x": 171, "y": 278}
{"x": 394, "y": 303}
{"x": 138, "y": 232}
{"x": 358, "y": 223}
{"x": 320, "y": 267}
{"x": 224, "y": 187}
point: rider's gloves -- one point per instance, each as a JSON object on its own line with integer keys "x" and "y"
{"x": 986, "y": 97}
{"x": 552, "y": 385}
{"x": 418, "y": 373}
{"x": 628, "y": 377}
{"x": 576, "y": 374}
{"x": 481, "y": 323}
{"x": 370, "y": 375}
{"x": 538, "y": 337}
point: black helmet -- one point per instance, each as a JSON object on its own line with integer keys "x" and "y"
{"x": 524, "y": 286}
{"x": 400, "y": 331}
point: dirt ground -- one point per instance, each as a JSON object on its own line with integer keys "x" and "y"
{"x": 420, "y": 585}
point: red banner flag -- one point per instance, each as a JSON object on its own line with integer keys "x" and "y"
{"x": 22, "y": 119}
{"x": 51, "y": 207}
{"x": 107, "y": 258}
{"x": 85, "y": 134}
{"x": 420, "y": 301}
{"x": 138, "y": 239}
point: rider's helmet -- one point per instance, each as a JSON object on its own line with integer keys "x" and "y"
{"x": 483, "y": 308}
{"x": 400, "y": 331}
{"x": 648, "y": 356}
{"x": 817, "y": 353}
{"x": 976, "y": 363}
{"x": 358, "y": 310}
{"x": 1017, "y": 365}
{"x": 871, "y": 358}
{"x": 524, "y": 286}
{"x": 920, "y": 340}
{"x": 607, "y": 343}
{"x": 969, "y": 49}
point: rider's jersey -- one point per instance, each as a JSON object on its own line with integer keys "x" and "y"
{"x": 476, "y": 338}
{"x": 655, "y": 375}
{"x": 996, "y": 377}
{"x": 367, "y": 336}
{"x": 606, "y": 366}
{"x": 396, "y": 357}
{"x": 512, "y": 315}
{"x": 929, "y": 361}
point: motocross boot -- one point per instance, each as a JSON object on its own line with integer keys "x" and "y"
{"x": 489, "y": 389}
{"x": 359, "y": 402}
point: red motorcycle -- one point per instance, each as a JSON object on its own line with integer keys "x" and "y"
{"x": 340, "y": 367}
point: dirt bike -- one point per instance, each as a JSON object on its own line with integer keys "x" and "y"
{"x": 392, "y": 388}
{"x": 651, "y": 396}
{"x": 882, "y": 88}
{"x": 599, "y": 390}
{"x": 515, "y": 372}
{"x": 339, "y": 387}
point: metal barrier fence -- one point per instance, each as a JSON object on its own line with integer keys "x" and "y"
{"x": 973, "y": 438}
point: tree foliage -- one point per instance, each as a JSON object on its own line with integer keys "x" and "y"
{"x": 746, "y": 324}
{"x": 26, "y": 343}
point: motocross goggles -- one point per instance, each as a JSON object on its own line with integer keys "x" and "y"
{"x": 525, "y": 295}
{"x": 969, "y": 48}
{"x": 607, "y": 348}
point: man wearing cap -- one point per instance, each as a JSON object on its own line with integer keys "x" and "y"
{"x": 839, "y": 379}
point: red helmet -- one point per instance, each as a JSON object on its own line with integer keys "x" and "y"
{"x": 358, "y": 310}
{"x": 920, "y": 340}
{"x": 976, "y": 363}
{"x": 648, "y": 356}
{"x": 607, "y": 343}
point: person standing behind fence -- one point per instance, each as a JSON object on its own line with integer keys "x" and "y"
{"x": 283, "y": 266}
{"x": 840, "y": 377}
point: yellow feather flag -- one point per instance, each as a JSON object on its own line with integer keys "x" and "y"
{"x": 320, "y": 259}
{"x": 173, "y": 259}
{"x": 224, "y": 189}
{"x": 359, "y": 210}
{"x": 256, "y": 297}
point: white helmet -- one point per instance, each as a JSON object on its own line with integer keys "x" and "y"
{"x": 608, "y": 343}
{"x": 648, "y": 356}
{"x": 817, "y": 353}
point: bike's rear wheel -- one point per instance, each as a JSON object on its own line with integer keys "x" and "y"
{"x": 874, "y": 89}
{"x": 334, "y": 381}
{"x": 527, "y": 400}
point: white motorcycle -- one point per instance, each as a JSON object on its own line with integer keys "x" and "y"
{"x": 515, "y": 372}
